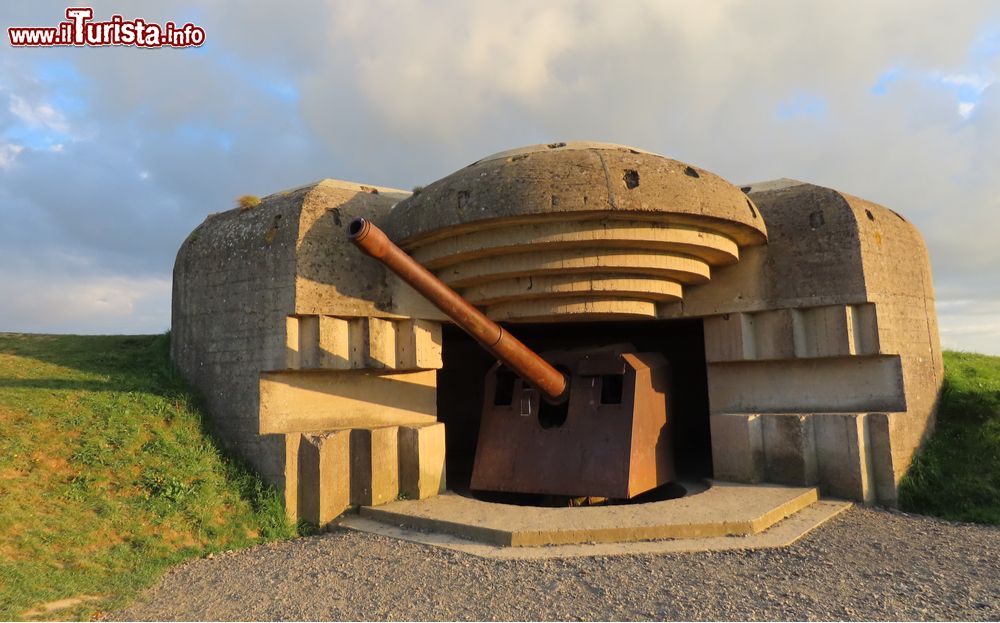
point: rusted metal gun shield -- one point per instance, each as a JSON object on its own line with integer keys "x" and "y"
{"x": 604, "y": 450}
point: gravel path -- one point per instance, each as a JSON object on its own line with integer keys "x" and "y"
{"x": 864, "y": 564}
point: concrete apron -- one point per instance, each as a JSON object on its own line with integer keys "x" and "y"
{"x": 722, "y": 516}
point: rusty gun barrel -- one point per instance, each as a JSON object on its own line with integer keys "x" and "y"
{"x": 507, "y": 348}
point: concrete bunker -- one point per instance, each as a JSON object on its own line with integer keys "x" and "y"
{"x": 799, "y": 321}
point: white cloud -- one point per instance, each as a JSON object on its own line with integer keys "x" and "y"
{"x": 969, "y": 316}
{"x": 38, "y": 115}
{"x": 8, "y": 154}
{"x": 977, "y": 82}
{"x": 84, "y": 304}
{"x": 973, "y": 334}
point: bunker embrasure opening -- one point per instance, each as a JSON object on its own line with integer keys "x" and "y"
{"x": 461, "y": 387}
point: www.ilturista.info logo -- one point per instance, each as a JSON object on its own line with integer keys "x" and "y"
{"x": 80, "y": 30}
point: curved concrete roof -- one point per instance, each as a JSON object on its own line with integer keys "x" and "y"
{"x": 588, "y": 230}
{"x": 576, "y": 180}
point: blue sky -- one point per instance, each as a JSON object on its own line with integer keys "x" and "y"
{"x": 109, "y": 157}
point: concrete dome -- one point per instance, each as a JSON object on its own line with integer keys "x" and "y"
{"x": 590, "y": 230}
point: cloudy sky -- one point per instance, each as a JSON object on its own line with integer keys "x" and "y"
{"x": 110, "y": 156}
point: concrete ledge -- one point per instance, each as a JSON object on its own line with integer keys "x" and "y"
{"x": 723, "y": 509}
{"x": 781, "y": 534}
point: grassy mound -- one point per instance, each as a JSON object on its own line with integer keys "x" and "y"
{"x": 107, "y": 476}
{"x": 956, "y": 475}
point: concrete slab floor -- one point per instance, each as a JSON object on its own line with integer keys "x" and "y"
{"x": 782, "y": 534}
{"x": 720, "y": 510}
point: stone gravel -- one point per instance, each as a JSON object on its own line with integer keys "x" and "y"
{"x": 863, "y": 565}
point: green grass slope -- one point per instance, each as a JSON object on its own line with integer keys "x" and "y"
{"x": 956, "y": 475}
{"x": 107, "y": 476}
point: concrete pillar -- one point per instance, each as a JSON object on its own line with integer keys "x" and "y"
{"x": 309, "y": 342}
{"x": 737, "y": 447}
{"x": 421, "y": 461}
{"x": 789, "y": 449}
{"x": 334, "y": 343}
{"x": 292, "y": 358}
{"x": 381, "y": 343}
{"x": 324, "y": 476}
{"x": 291, "y": 485}
{"x": 374, "y": 465}
{"x": 845, "y": 468}
{"x": 884, "y": 471}
{"x": 418, "y": 344}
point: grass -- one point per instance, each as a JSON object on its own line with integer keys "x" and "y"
{"x": 956, "y": 475}
{"x": 107, "y": 475}
{"x": 245, "y": 202}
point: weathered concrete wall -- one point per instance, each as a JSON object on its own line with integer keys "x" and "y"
{"x": 278, "y": 321}
{"x": 898, "y": 281}
{"x": 234, "y": 285}
{"x": 332, "y": 278}
{"x": 830, "y": 330}
{"x": 812, "y": 258}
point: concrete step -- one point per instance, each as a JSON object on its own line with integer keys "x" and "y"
{"x": 781, "y": 534}
{"x": 719, "y": 510}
